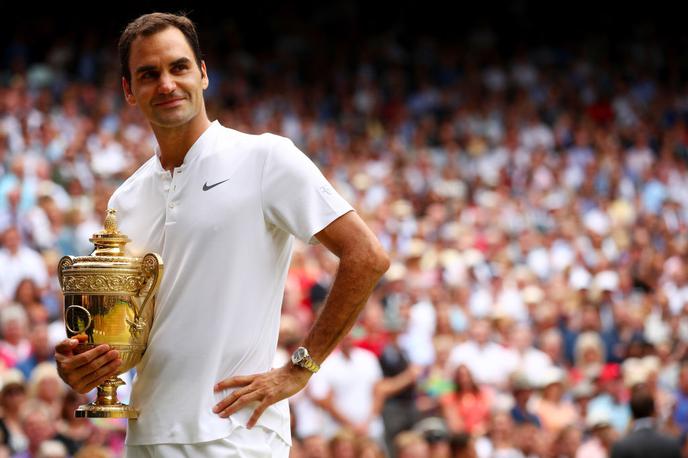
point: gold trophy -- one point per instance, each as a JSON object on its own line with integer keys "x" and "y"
{"x": 109, "y": 299}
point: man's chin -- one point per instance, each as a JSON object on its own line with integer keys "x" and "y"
{"x": 170, "y": 122}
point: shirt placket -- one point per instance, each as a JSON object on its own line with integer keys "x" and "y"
{"x": 172, "y": 186}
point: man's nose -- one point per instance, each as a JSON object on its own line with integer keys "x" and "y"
{"x": 167, "y": 83}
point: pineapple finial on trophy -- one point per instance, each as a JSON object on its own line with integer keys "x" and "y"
{"x": 111, "y": 222}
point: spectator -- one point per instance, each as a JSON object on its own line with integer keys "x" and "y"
{"x": 467, "y": 407}
{"x": 681, "y": 408}
{"x": 15, "y": 347}
{"x": 46, "y": 387}
{"x": 29, "y": 297}
{"x": 566, "y": 443}
{"x": 12, "y": 398}
{"x": 483, "y": 357}
{"x": 345, "y": 388}
{"x": 499, "y": 441}
{"x": 410, "y": 444}
{"x": 553, "y": 409}
{"x": 600, "y": 439}
{"x": 18, "y": 261}
{"x": 38, "y": 426}
{"x": 399, "y": 411}
{"x": 462, "y": 446}
{"x": 521, "y": 390}
{"x": 434, "y": 431}
{"x": 75, "y": 431}
{"x": 645, "y": 439}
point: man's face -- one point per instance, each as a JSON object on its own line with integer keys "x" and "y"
{"x": 11, "y": 240}
{"x": 166, "y": 83}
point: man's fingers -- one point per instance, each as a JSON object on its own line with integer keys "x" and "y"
{"x": 66, "y": 346}
{"x": 240, "y": 403}
{"x": 87, "y": 357}
{"x": 223, "y": 404}
{"x": 239, "y": 380}
{"x": 257, "y": 413}
{"x": 94, "y": 384}
{"x": 106, "y": 371}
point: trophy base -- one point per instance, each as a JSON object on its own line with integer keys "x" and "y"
{"x": 106, "y": 404}
{"x": 113, "y": 411}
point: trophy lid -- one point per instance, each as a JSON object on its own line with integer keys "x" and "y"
{"x": 110, "y": 241}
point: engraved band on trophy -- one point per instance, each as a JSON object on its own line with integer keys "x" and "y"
{"x": 109, "y": 298}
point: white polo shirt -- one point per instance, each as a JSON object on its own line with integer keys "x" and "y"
{"x": 223, "y": 224}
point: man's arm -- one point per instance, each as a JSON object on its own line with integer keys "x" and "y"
{"x": 390, "y": 386}
{"x": 327, "y": 404}
{"x": 362, "y": 261}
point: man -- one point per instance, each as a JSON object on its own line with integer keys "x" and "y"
{"x": 680, "y": 413}
{"x": 601, "y": 436}
{"x": 346, "y": 390}
{"x": 18, "y": 261}
{"x": 644, "y": 439}
{"x": 489, "y": 362}
{"x": 521, "y": 390}
{"x": 221, "y": 207}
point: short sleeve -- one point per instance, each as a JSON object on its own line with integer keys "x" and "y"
{"x": 296, "y": 197}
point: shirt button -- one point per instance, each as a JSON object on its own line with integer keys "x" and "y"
{"x": 171, "y": 204}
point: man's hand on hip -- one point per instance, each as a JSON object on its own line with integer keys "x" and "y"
{"x": 85, "y": 371}
{"x": 266, "y": 389}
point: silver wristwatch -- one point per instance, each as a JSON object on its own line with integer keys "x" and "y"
{"x": 300, "y": 357}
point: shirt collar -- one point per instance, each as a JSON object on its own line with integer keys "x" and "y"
{"x": 198, "y": 146}
{"x": 643, "y": 423}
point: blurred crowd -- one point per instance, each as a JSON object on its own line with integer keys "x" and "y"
{"x": 535, "y": 208}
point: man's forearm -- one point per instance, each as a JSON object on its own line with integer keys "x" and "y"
{"x": 355, "y": 280}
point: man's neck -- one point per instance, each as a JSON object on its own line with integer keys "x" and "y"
{"x": 175, "y": 142}
{"x": 643, "y": 423}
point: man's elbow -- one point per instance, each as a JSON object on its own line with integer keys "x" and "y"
{"x": 379, "y": 262}
{"x": 367, "y": 257}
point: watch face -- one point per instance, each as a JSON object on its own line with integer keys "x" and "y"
{"x": 298, "y": 355}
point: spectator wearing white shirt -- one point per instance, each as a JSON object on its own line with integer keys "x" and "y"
{"x": 526, "y": 358}
{"x": 489, "y": 362}
{"x": 18, "y": 261}
{"x": 345, "y": 388}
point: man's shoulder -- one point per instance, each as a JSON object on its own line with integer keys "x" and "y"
{"x": 265, "y": 139}
{"x": 131, "y": 184}
{"x": 647, "y": 436}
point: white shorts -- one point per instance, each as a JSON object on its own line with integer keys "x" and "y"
{"x": 257, "y": 442}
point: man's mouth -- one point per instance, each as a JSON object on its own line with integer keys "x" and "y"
{"x": 169, "y": 102}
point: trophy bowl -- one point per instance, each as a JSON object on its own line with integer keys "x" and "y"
{"x": 109, "y": 298}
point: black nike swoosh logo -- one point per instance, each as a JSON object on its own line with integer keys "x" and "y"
{"x": 206, "y": 187}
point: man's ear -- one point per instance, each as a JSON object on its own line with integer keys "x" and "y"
{"x": 204, "y": 75}
{"x": 128, "y": 95}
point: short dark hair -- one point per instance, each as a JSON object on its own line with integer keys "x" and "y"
{"x": 150, "y": 24}
{"x": 642, "y": 401}
{"x": 460, "y": 443}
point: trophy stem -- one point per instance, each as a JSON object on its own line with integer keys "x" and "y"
{"x": 106, "y": 404}
{"x": 107, "y": 392}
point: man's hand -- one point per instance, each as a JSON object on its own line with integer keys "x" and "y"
{"x": 266, "y": 388}
{"x": 85, "y": 371}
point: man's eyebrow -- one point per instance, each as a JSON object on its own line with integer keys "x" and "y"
{"x": 145, "y": 68}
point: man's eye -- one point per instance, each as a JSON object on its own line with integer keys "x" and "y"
{"x": 180, "y": 67}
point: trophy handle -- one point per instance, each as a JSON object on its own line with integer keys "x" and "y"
{"x": 152, "y": 266}
{"x": 65, "y": 262}
{"x": 84, "y": 327}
